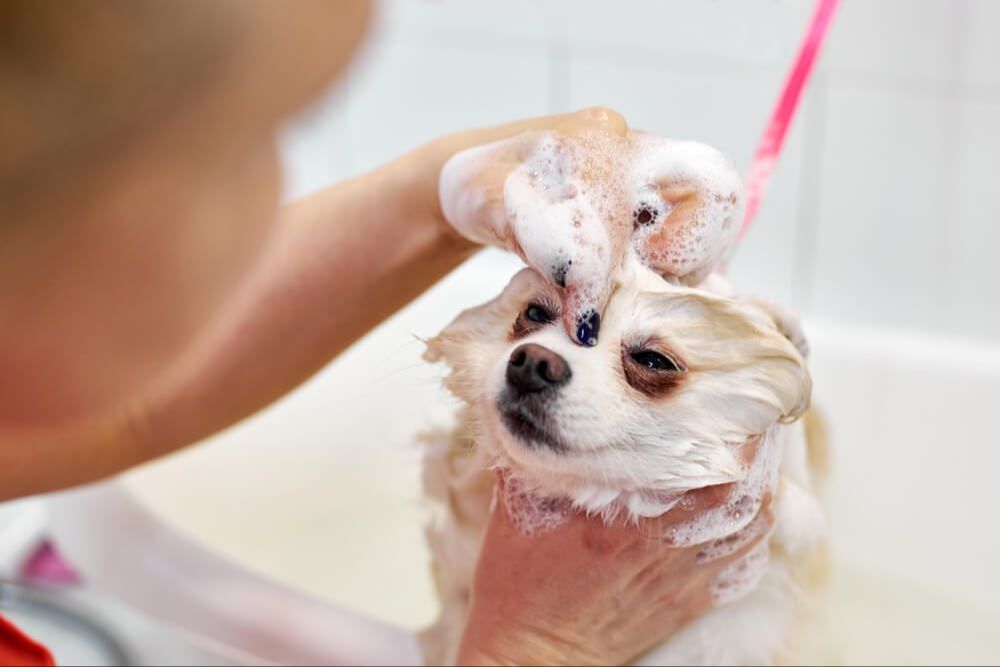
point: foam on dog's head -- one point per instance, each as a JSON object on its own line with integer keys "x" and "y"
{"x": 572, "y": 205}
{"x": 560, "y": 216}
{"x": 697, "y": 245}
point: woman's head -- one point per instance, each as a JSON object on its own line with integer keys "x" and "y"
{"x": 139, "y": 178}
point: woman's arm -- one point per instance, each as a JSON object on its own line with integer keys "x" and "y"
{"x": 340, "y": 262}
{"x": 337, "y": 263}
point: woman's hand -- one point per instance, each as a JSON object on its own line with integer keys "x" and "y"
{"x": 592, "y": 593}
{"x": 572, "y": 194}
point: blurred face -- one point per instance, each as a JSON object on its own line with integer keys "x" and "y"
{"x": 102, "y": 291}
{"x": 679, "y": 380}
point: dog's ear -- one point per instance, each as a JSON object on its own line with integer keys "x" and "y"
{"x": 788, "y": 324}
{"x": 465, "y": 344}
{"x": 475, "y": 324}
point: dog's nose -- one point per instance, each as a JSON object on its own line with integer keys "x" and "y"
{"x": 533, "y": 368}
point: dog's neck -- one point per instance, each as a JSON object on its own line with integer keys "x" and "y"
{"x": 600, "y": 497}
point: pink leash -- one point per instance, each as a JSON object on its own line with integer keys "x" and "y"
{"x": 766, "y": 156}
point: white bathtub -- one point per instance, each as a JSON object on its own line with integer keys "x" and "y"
{"x": 319, "y": 495}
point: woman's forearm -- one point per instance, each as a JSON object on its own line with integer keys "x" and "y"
{"x": 339, "y": 262}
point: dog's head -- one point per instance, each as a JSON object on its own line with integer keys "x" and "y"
{"x": 678, "y": 381}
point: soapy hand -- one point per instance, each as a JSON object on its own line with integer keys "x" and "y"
{"x": 574, "y": 195}
{"x": 585, "y": 592}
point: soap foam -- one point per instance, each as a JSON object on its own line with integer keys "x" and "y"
{"x": 741, "y": 577}
{"x": 731, "y": 544}
{"x": 559, "y": 215}
{"x": 697, "y": 245}
{"x": 530, "y": 513}
{"x": 744, "y": 503}
{"x": 574, "y": 205}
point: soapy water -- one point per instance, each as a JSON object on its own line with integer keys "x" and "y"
{"x": 722, "y": 530}
{"x": 574, "y": 207}
{"x": 559, "y": 219}
{"x": 739, "y": 578}
{"x": 731, "y": 544}
{"x": 745, "y": 501}
{"x": 530, "y": 513}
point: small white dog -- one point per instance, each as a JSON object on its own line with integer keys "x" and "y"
{"x": 680, "y": 379}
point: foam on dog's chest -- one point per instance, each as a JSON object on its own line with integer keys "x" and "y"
{"x": 530, "y": 513}
{"x": 745, "y": 501}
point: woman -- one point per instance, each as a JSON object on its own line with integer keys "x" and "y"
{"x": 152, "y": 292}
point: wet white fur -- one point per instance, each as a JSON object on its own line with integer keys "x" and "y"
{"x": 630, "y": 454}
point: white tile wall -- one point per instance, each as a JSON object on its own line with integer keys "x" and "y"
{"x": 659, "y": 98}
{"x": 413, "y": 90}
{"x": 713, "y": 33}
{"x": 982, "y": 48}
{"x": 973, "y": 303}
{"x": 897, "y": 38}
{"x": 879, "y": 211}
{"x": 877, "y": 207}
{"x": 317, "y": 147}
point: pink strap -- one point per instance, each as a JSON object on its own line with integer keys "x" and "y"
{"x": 766, "y": 156}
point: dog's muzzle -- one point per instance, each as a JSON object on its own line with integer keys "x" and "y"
{"x": 534, "y": 373}
{"x": 533, "y": 369}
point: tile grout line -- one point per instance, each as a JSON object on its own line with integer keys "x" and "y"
{"x": 558, "y": 60}
{"x": 715, "y": 65}
{"x": 807, "y": 225}
{"x": 951, "y": 133}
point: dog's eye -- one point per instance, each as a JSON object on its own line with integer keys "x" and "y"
{"x": 655, "y": 361}
{"x": 653, "y": 373}
{"x": 538, "y": 314}
{"x": 534, "y": 316}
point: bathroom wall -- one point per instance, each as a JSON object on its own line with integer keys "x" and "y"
{"x": 882, "y": 210}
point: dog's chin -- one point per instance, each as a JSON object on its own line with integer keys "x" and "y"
{"x": 527, "y": 423}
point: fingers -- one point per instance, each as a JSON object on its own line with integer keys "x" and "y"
{"x": 693, "y": 206}
{"x": 591, "y": 119}
{"x": 712, "y": 512}
{"x": 526, "y": 512}
{"x": 583, "y": 306}
{"x": 589, "y": 277}
{"x": 595, "y": 119}
{"x": 747, "y": 452}
{"x": 670, "y": 245}
{"x": 735, "y": 546}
